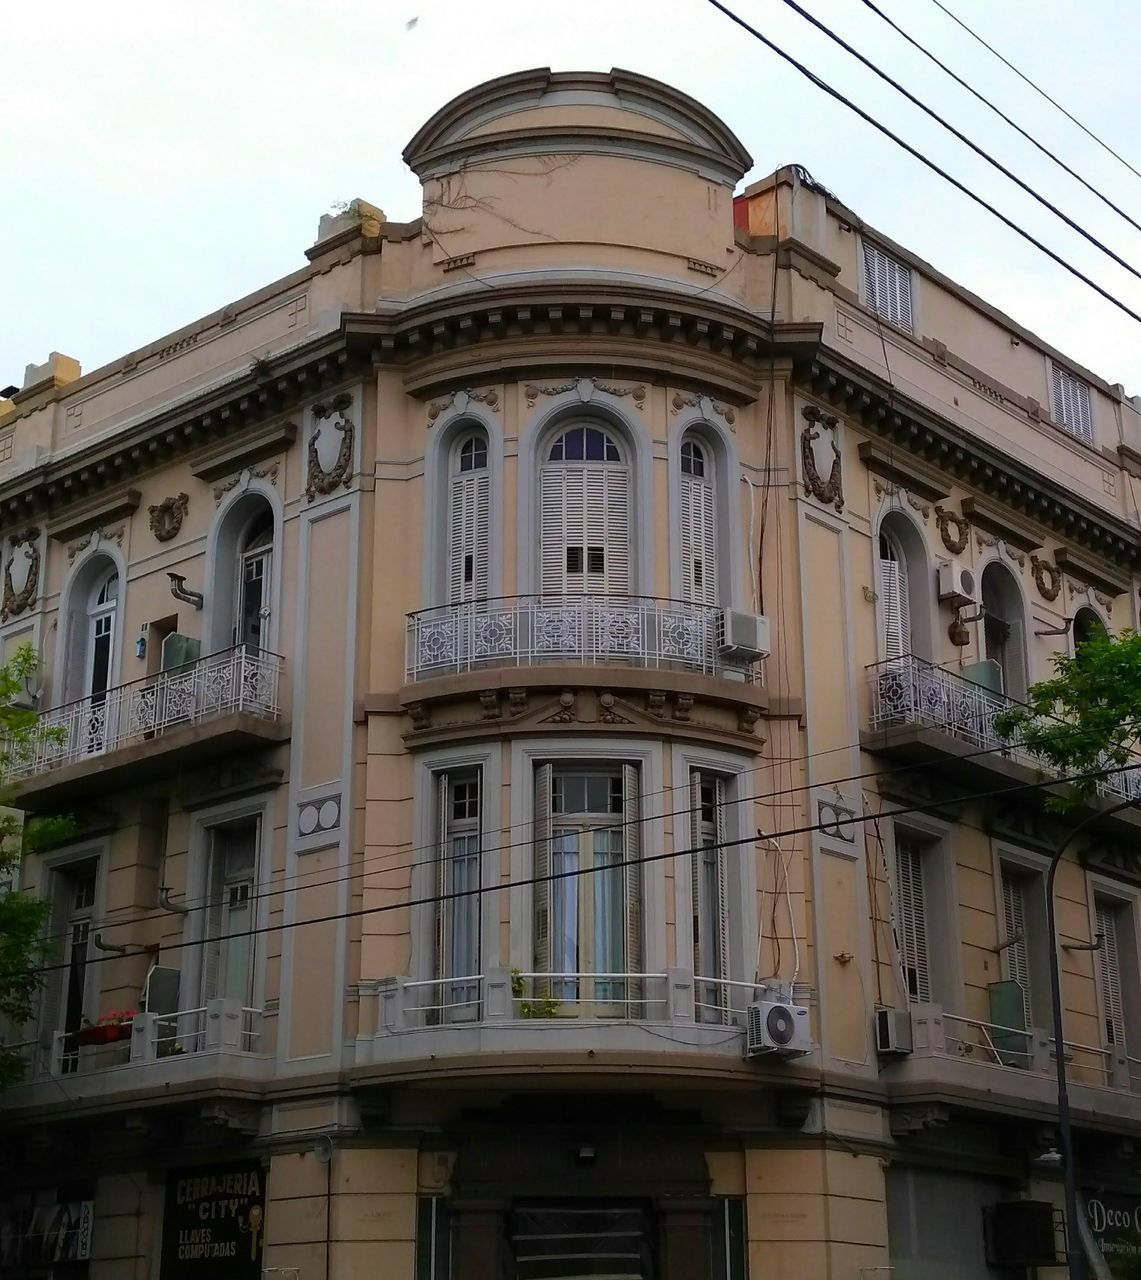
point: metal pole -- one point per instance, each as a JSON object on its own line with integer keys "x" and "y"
{"x": 1075, "y": 1258}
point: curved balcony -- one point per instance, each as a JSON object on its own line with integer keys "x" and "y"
{"x": 520, "y": 631}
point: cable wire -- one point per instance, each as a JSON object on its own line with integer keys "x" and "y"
{"x": 1037, "y": 89}
{"x": 870, "y": 4}
{"x": 825, "y": 87}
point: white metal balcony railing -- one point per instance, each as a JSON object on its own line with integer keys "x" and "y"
{"x": 534, "y": 630}
{"x": 220, "y": 1026}
{"x": 238, "y": 679}
{"x": 910, "y": 690}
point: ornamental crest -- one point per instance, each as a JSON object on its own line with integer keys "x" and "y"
{"x": 167, "y": 516}
{"x": 326, "y": 473}
{"x": 830, "y": 491}
{"x": 21, "y": 574}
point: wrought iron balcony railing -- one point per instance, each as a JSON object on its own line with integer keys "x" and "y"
{"x": 238, "y": 679}
{"x": 910, "y": 690}
{"x": 536, "y": 630}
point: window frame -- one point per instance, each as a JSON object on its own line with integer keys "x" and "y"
{"x": 1125, "y": 899}
{"x": 225, "y": 558}
{"x": 941, "y": 905}
{"x": 723, "y": 472}
{"x": 1031, "y": 866}
{"x": 1057, "y": 374}
{"x": 869, "y": 302}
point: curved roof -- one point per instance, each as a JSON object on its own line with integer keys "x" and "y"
{"x": 577, "y": 112}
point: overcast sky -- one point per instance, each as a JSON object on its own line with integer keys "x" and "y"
{"x": 161, "y": 160}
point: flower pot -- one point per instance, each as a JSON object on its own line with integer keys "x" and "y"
{"x": 102, "y": 1033}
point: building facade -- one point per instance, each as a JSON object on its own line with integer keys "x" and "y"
{"x": 521, "y": 662}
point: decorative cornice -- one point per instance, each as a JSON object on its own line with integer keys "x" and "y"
{"x": 968, "y": 460}
{"x": 1092, "y": 571}
{"x": 902, "y": 469}
{"x": 1014, "y": 532}
{"x": 243, "y": 450}
{"x": 99, "y": 511}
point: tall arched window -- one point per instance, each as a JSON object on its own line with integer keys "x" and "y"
{"x": 255, "y": 562}
{"x": 469, "y": 519}
{"x": 89, "y": 627}
{"x": 584, "y": 532}
{"x": 102, "y": 608}
{"x": 1087, "y": 625}
{"x": 1004, "y": 627}
{"x": 698, "y": 523}
{"x": 895, "y": 596}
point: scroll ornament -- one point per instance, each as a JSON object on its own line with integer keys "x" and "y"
{"x": 317, "y": 479}
{"x": 830, "y": 491}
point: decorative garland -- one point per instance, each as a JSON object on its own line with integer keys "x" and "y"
{"x": 318, "y": 480}
{"x": 167, "y": 516}
{"x": 830, "y": 491}
{"x": 15, "y": 602}
{"x": 955, "y": 543}
{"x": 1043, "y": 569}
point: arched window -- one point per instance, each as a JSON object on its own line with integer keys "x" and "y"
{"x": 91, "y": 623}
{"x": 698, "y": 523}
{"x": 584, "y": 528}
{"x": 895, "y": 596}
{"x": 469, "y": 517}
{"x": 1087, "y": 625}
{"x": 1004, "y": 628}
{"x": 255, "y": 562}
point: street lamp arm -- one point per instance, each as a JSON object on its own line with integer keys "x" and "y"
{"x": 1075, "y": 1258}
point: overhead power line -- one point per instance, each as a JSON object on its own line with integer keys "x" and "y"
{"x": 981, "y": 152}
{"x": 825, "y": 87}
{"x": 1037, "y": 88}
{"x": 958, "y": 79}
{"x": 831, "y": 826}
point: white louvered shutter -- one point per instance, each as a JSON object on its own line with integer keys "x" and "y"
{"x": 632, "y": 855}
{"x": 1017, "y": 953}
{"x": 584, "y": 530}
{"x": 1109, "y": 977}
{"x": 440, "y": 881}
{"x": 554, "y": 535}
{"x": 542, "y": 869}
{"x": 695, "y": 838}
{"x": 895, "y": 600}
{"x": 698, "y": 541}
{"x": 1071, "y": 403}
{"x": 722, "y": 895}
{"x": 911, "y": 919}
{"x": 59, "y": 927}
{"x": 213, "y": 926}
{"x": 469, "y": 524}
{"x": 887, "y": 286}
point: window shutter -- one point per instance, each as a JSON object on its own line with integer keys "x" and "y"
{"x": 553, "y": 533}
{"x": 895, "y": 598}
{"x": 887, "y": 286}
{"x": 1014, "y": 922}
{"x": 212, "y": 924}
{"x": 911, "y": 918}
{"x": 542, "y": 869}
{"x": 440, "y": 879}
{"x": 698, "y": 541}
{"x": 632, "y": 855}
{"x": 722, "y": 895}
{"x": 1070, "y": 403}
{"x": 617, "y": 537}
{"x": 469, "y": 521}
{"x": 1109, "y": 975}
{"x": 51, "y": 1004}
{"x": 697, "y": 905}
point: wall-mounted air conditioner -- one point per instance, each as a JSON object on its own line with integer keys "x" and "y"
{"x": 742, "y": 635}
{"x": 957, "y": 584}
{"x": 776, "y": 1027}
{"x": 893, "y": 1031}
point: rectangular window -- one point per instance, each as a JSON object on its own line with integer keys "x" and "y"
{"x": 433, "y": 1238}
{"x": 228, "y": 945}
{"x": 67, "y": 995}
{"x": 911, "y": 917}
{"x": 574, "y": 559}
{"x": 1015, "y": 940}
{"x": 1109, "y": 973}
{"x": 596, "y": 559}
{"x": 1070, "y": 403}
{"x": 709, "y": 898}
{"x": 458, "y": 893}
{"x": 730, "y": 1239}
{"x": 887, "y": 286}
{"x": 588, "y": 912}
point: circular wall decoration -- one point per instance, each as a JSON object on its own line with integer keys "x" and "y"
{"x": 956, "y": 542}
{"x": 1047, "y": 578}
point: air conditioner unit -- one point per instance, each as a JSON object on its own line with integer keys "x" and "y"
{"x": 779, "y": 1028}
{"x": 957, "y": 584}
{"x": 742, "y": 635}
{"x": 893, "y": 1031}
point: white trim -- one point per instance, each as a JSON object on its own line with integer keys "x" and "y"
{"x": 219, "y": 580}
{"x": 525, "y": 755}
{"x": 81, "y": 577}
{"x": 599, "y": 408}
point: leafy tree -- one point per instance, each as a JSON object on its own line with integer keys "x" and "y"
{"x": 24, "y": 948}
{"x": 1086, "y": 717}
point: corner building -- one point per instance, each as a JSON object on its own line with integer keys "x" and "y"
{"x": 487, "y": 662}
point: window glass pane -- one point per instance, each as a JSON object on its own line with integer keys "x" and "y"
{"x": 574, "y": 559}
{"x": 609, "y": 913}
{"x": 564, "y": 911}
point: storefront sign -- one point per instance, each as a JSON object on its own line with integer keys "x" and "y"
{"x": 1115, "y": 1221}
{"x": 47, "y": 1233}
{"x": 214, "y": 1222}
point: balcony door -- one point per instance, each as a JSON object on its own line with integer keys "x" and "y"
{"x": 251, "y": 612}
{"x": 99, "y": 653}
{"x": 584, "y": 528}
{"x": 228, "y": 950}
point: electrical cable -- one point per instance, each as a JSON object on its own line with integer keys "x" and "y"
{"x": 1037, "y": 89}
{"x": 831, "y": 826}
{"x": 962, "y": 187}
{"x": 870, "y": 4}
{"x": 962, "y": 137}
{"x": 378, "y": 864}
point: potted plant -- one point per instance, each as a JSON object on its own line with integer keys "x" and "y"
{"x": 108, "y": 1028}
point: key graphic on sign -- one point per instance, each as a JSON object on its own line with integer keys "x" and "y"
{"x": 252, "y": 1224}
